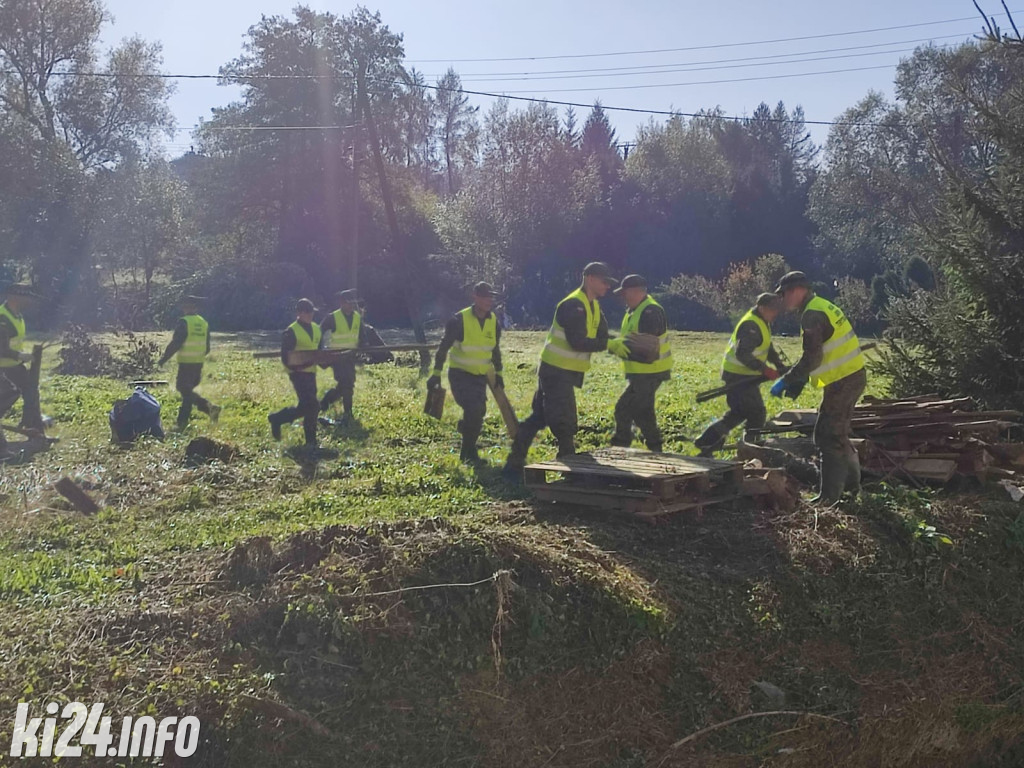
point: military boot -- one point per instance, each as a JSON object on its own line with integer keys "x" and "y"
{"x": 833, "y": 478}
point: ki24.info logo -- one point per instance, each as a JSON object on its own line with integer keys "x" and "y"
{"x": 84, "y": 731}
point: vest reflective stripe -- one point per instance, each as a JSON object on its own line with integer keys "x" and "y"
{"x": 841, "y": 355}
{"x": 557, "y": 350}
{"x": 473, "y": 354}
{"x": 17, "y": 341}
{"x": 306, "y": 343}
{"x": 194, "y": 348}
{"x": 731, "y": 363}
{"x": 345, "y": 337}
{"x": 631, "y": 324}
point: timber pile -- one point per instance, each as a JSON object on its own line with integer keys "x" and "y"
{"x": 642, "y": 483}
{"x": 926, "y": 439}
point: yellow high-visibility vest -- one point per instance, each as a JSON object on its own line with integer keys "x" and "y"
{"x": 305, "y": 343}
{"x": 473, "y": 354}
{"x": 194, "y": 348}
{"x": 841, "y": 355}
{"x": 557, "y": 349}
{"x": 345, "y": 336}
{"x": 731, "y": 363}
{"x": 631, "y": 324}
{"x": 18, "y": 340}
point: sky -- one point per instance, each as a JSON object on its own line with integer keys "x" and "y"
{"x": 737, "y": 54}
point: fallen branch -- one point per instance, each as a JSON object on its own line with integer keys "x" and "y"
{"x": 751, "y": 716}
{"x": 79, "y": 499}
{"x": 281, "y": 712}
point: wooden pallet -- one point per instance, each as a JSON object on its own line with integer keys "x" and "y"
{"x": 638, "y": 482}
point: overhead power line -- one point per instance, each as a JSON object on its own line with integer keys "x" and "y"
{"x": 654, "y": 68}
{"x": 705, "y": 47}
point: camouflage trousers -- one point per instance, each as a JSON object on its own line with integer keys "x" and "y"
{"x": 636, "y": 406}
{"x": 746, "y": 406}
{"x": 840, "y": 464}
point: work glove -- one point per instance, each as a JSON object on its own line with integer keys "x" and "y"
{"x": 434, "y": 382}
{"x": 499, "y": 382}
{"x": 784, "y": 369}
{"x": 618, "y": 348}
{"x": 779, "y": 387}
{"x": 25, "y": 357}
{"x": 771, "y": 374}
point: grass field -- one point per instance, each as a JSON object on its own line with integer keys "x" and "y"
{"x": 262, "y": 594}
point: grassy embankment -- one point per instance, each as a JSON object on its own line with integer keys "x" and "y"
{"x": 215, "y": 589}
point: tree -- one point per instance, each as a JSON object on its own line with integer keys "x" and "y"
{"x": 597, "y": 143}
{"x": 964, "y": 337}
{"x": 457, "y": 127}
{"x": 141, "y": 221}
{"x": 48, "y": 54}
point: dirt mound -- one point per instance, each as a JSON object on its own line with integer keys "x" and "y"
{"x": 204, "y": 450}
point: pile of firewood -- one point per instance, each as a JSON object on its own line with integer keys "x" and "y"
{"x": 926, "y": 439}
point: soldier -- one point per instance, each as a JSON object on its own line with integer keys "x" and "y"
{"x": 578, "y": 330}
{"x": 832, "y": 360}
{"x": 15, "y": 380}
{"x": 343, "y": 329}
{"x": 636, "y": 405}
{"x": 474, "y": 338}
{"x": 301, "y": 336}
{"x": 191, "y": 343}
{"x": 746, "y": 364}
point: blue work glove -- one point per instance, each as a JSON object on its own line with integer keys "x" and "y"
{"x": 499, "y": 382}
{"x": 618, "y": 348}
{"x": 778, "y": 387}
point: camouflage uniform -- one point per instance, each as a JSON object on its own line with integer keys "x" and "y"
{"x": 636, "y": 404}
{"x": 745, "y": 403}
{"x": 840, "y": 464}
{"x": 554, "y": 404}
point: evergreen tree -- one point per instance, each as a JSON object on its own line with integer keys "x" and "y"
{"x": 964, "y": 338}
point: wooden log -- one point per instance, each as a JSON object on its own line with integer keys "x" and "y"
{"x": 31, "y": 413}
{"x": 332, "y": 355}
{"x": 508, "y": 413}
{"x": 81, "y": 500}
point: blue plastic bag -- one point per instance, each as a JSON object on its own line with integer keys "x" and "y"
{"x": 135, "y": 416}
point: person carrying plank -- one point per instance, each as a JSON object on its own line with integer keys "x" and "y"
{"x": 746, "y": 365}
{"x": 577, "y": 331}
{"x": 191, "y": 343}
{"x": 15, "y": 380}
{"x": 474, "y": 337}
{"x": 343, "y": 329}
{"x": 301, "y": 336}
{"x": 833, "y": 361}
{"x": 636, "y": 405}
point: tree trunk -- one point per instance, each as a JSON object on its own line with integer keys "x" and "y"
{"x": 396, "y": 236}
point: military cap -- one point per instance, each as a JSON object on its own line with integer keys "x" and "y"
{"x": 601, "y": 270}
{"x": 632, "y": 281}
{"x": 792, "y": 280}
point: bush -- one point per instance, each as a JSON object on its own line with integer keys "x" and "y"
{"x": 81, "y": 356}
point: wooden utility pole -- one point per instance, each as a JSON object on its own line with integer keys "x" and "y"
{"x": 397, "y": 243}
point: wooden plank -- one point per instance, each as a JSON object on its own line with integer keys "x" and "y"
{"x": 940, "y": 470}
{"x": 508, "y": 413}
{"x": 81, "y": 500}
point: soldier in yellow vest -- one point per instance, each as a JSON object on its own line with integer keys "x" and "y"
{"x": 636, "y": 405}
{"x": 832, "y": 360}
{"x": 191, "y": 343}
{"x": 301, "y": 336}
{"x": 473, "y": 336}
{"x": 746, "y": 363}
{"x": 577, "y": 331}
{"x": 15, "y": 381}
{"x": 343, "y": 329}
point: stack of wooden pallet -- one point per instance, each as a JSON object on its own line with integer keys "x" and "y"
{"x": 639, "y": 482}
{"x": 926, "y": 439}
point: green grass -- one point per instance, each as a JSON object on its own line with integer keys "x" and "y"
{"x": 159, "y": 604}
